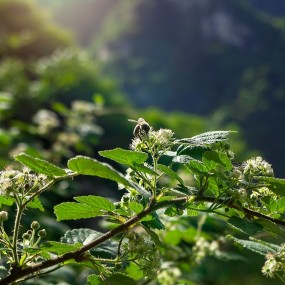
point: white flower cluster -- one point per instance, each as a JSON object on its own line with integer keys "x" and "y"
{"x": 169, "y": 274}
{"x": 46, "y": 121}
{"x": 15, "y": 181}
{"x": 153, "y": 139}
{"x": 258, "y": 166}
{"x": 203, "y": 248}
{"x": 274, "y": 263}
{"x": 145, "y": 253}
{"x": 161, "y": 137}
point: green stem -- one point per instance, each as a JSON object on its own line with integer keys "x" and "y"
{"x": 20, "y": 210}
{"x": 154, "y": 178}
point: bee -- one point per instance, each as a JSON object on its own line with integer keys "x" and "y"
{"x": 141, "y": 128}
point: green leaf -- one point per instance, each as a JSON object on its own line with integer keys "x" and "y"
{"x": 197, "y": 167}
{"x": 206, "y": 138}
{"x": 107, "y": 249}
{"x": 135, "y": 207}
{"x": 58, "y": 247}
{"x": 276, "y": 185}
{"x": 194, "y": 209}
{"x": 94, "y": 280}
{"x": 75, "y": 211}
{"x": 155, "y": 223}
{"x": 145, "y": 169}
{"x": 134, "y": 271}
{"x": 258, "y": 247}
{"x": 120, "y": 279}
{"x": 168, "y": 171}
{"x": 196, "y": 152}
{"x": 182, "y": 159}
{"x": 126, "y": 157}
{"x": 4, "y": 200}
{"x": 79, "y": 236}
{"x": 247, "y": 227}
{"x": 212, "y": 158}
{"x": 277, "y": 206}
{"x": 97, "y": 202}
{"x": 88, "y": 166}
{"x": 40, "y": 166}
{"x": 36, "y": 204}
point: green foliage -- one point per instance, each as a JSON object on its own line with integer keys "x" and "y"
{"x": 28, "y": 33}
{"x": 39, "y": 165}
{"x": 88, "y": 207}
{"x": 153, "y": 229}
{"x": 93, "y": 167}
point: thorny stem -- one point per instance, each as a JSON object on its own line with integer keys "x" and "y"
{"x": 152, "y": 206}
{"x": 21, "y": 206}
{"x": 20, "y": 210}
{"x": 154, "y": 178}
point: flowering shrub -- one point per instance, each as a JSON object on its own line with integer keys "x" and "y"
{"x": 167, "y": 182}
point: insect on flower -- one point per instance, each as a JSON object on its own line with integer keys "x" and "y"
{"x": 141, "y": 128}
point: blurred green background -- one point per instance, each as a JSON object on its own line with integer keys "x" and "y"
{"x": 73, "y": 71}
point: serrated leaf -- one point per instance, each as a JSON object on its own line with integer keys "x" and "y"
{"x": 120, "y": 279}
{"x": 40, "y": 166}
{"x": 182, "y": 159}
{"x": 197, "y": 167}
{"x": 97, "y": 202}
{"x": 135, "y": 207}
{"x": 206, "y": 138}
{"x": 170, "y": 153}
{"x": 107, "y": 249}
{"x": 75, "y": 211}
{"x": 134, "y": 271}
{"x": 254, "y": 246}
{"x": 4, "y": 200}
{"x": 277, "y": 206}
{"x": 155, "y": 223}
{"x": 59, "y": 247}
{"x": 36, "y": 204}
{"x": 276, "y": 185}
{"x": 145, "y": 169}
{"x": 194, "y": 209}
{"x": 94, "y": 280}
{"x": 78, "y": 235}
{"x": 168, "y": 171}
{"x": 247, "y": 227}
{"x": 196, "y": 152}
{"x": 212, "y": 158}
{"x": 126, "y": 157}
{"x": 88, "y": 166}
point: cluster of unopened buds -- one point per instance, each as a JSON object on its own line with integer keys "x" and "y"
{"x": 244, "y": 175}
{"x": 145, "y": 254}
{"x": 29, "y": 238}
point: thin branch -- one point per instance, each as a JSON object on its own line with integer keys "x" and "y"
{"x": 152, "y": 206}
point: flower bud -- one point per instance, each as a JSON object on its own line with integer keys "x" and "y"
{"x": 42, "y": 233}
{"x": 35, "y": 225}
{"x": 26, "y": 236}
{"x": 3, "y": 216}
